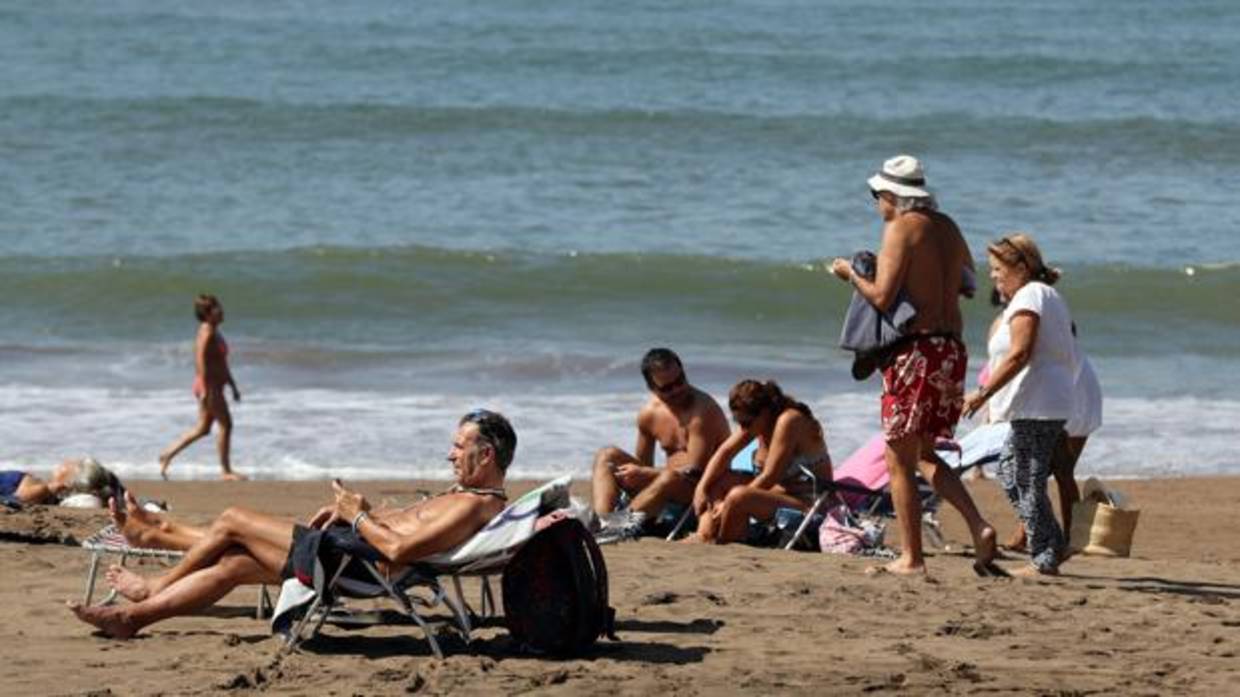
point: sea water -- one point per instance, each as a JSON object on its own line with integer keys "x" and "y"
{"x": 412, "y": 210}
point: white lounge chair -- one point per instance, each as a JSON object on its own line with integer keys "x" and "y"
{"x": 110, "y": 541}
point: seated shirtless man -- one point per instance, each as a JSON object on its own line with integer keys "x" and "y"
{"x": 245, "y": 547}
{"x": 685, "y": 421}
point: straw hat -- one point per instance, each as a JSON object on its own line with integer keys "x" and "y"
{"x": 902, "y": 175}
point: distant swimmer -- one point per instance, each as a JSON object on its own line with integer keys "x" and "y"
{"x": 211, "y": 376}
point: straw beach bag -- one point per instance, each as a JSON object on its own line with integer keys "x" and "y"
{"x": 1100, "y": 525}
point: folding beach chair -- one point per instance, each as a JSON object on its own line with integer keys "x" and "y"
{"x": 110, "y": 541}
{"x": 744, "y": 462}
{"x": 357, "y": 574}
{"x": 861, "y": 480}
{"x": 979, "y": 447}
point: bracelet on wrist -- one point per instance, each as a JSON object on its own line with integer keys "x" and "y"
{"x": 357, "y": 519}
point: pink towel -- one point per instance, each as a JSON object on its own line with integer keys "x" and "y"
{"x": 866, "y": 467}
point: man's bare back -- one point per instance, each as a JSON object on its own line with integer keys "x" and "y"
{"x": 924, "y": 256}
{"x": 936, "y": 257}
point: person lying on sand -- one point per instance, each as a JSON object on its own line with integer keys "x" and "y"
{"x": 247, "y": 547}
{"x": 685, "y": 421}
{"x": 74, "y": 476}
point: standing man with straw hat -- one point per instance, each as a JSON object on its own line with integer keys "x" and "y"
{"x": 924, "y": 255}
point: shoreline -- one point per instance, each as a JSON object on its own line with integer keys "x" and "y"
{"x": 691, "y": 619}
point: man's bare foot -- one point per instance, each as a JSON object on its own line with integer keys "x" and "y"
{"x": 135, "y": 511}
{"x": 233, "y": 477}
{"x": 165, "y": 461}
{"x": 984, "y": 548}
{"x": 134, "y": 522}
{"x": 989, "y": 570}
{"x": 899, "y": 567}
{"x": 127, "y": 583}
{"x": 110, "y": 620}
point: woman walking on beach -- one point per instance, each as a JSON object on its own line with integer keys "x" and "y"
{"x": 1033, "y": 364}
{"x": 211, "y": 375}
{"x": 792, "y": 459}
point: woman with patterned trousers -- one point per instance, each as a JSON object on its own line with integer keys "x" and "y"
{"x": 1033, "y": 361}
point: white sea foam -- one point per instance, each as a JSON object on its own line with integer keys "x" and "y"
{"x": 317, "y": 434}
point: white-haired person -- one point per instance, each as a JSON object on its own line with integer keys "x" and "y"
{"x": 73, "y": 476}
{"x": 1033, "y": 366}
{"x": 922, "y": 258}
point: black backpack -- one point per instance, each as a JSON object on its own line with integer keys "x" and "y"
{"x": 555, "y": 592}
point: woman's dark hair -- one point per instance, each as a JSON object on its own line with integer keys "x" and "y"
{"x": 659, "y": 359}
{"x": 203, "y": 304}
{"x": 497, "y": 432}
{"x": 751, "y": 397}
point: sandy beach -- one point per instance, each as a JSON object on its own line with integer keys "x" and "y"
{"x": 691, "y": 620}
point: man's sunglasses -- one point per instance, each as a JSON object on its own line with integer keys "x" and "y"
{"x": 671, "y": 386}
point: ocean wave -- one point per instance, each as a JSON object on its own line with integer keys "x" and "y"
{"x": 238, "y": 119}
{"x": 319, "y": 433}
{"x": 359, "y": 293}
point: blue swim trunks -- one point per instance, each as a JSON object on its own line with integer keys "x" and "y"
{"x": 9, "y": 481}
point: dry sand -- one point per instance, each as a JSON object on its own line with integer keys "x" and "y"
{"x": 691, "y": 620}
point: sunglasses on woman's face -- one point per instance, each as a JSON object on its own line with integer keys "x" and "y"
{"x": 1020, "y": 256}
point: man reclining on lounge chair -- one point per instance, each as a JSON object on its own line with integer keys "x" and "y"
{"x": 246, "y": 547}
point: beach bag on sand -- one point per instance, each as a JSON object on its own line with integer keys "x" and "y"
{"x": 555, "y": 592}
{"x": 1100, "y": 525}
{"x": 842, "y": 532}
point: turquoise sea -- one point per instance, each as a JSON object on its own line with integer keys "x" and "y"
{"x": 411, "y": 210}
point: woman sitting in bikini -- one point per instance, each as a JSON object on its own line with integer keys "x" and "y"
{"x": 792, "y": 459}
